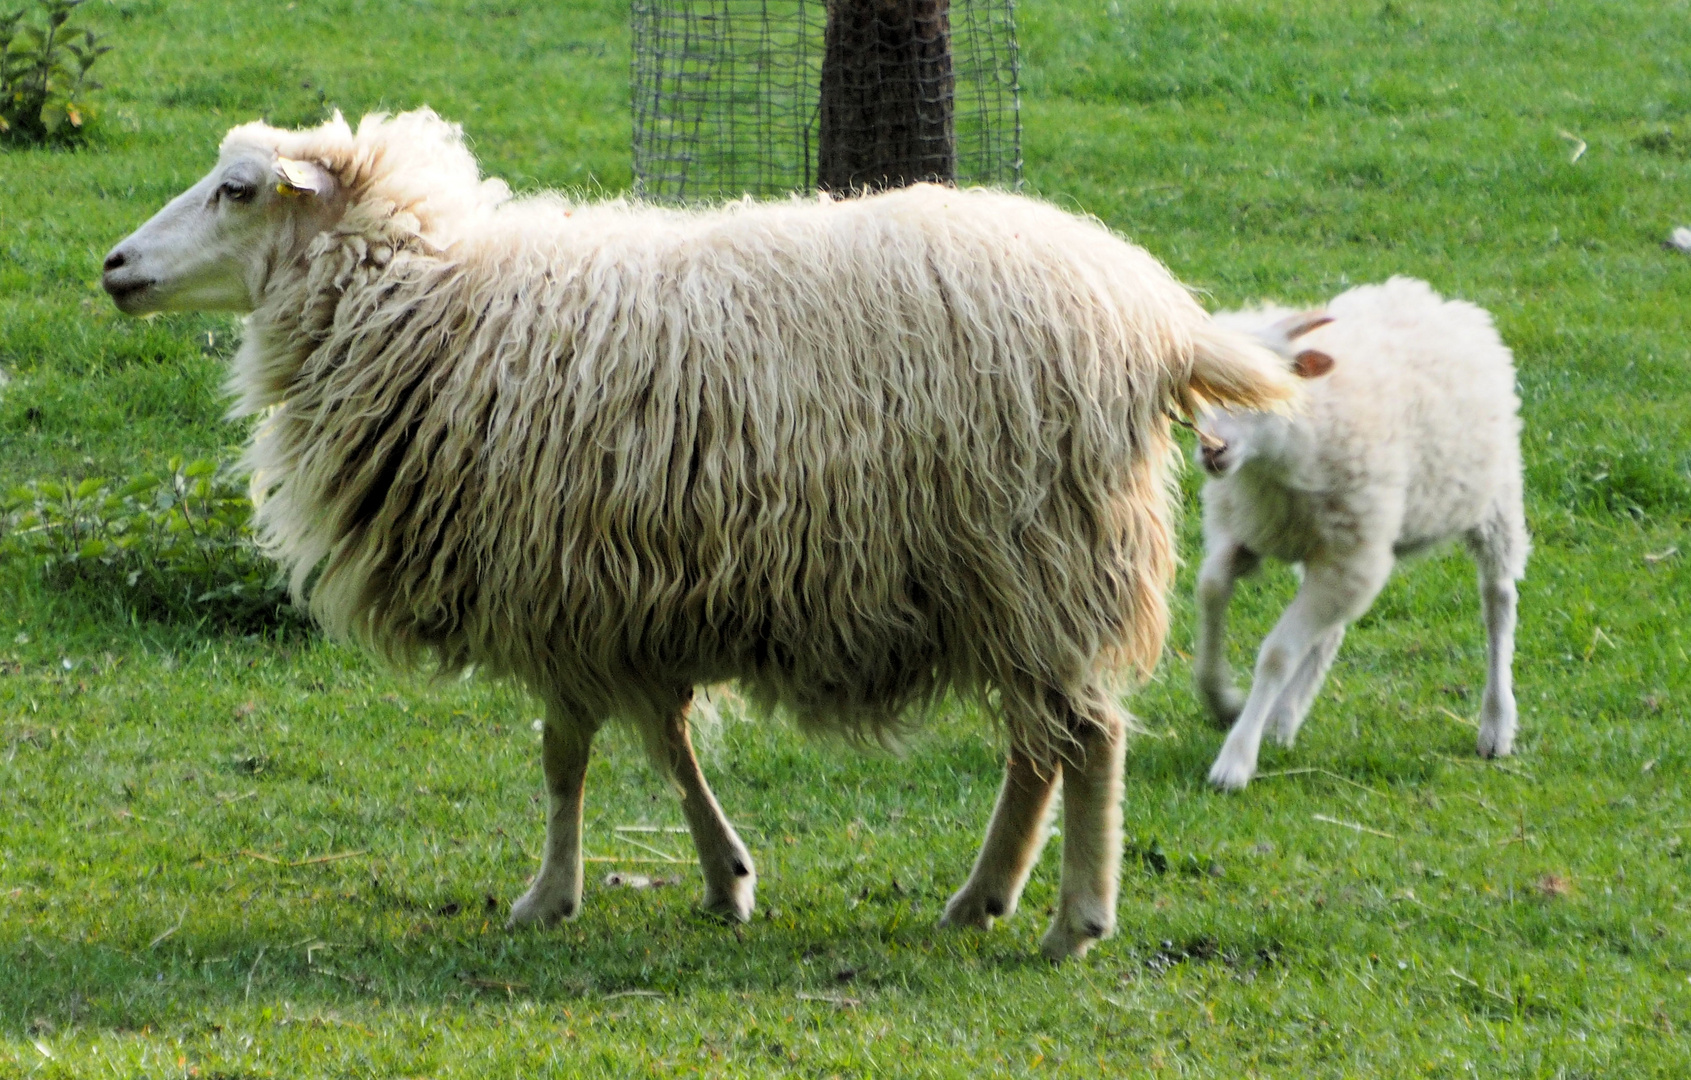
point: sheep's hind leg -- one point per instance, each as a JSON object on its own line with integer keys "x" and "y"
{"x": 1331, "y": 596}
{"x": 1013, "y": 839}
{"x": 1225, "y": 564}
{"x": 730, "y": 878}
{"x": 1292, "y": 706}
{"x": 1086, "y": 901}
{"x": 566, "y": 745}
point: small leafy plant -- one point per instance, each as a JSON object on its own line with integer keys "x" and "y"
{"x": 44, "y": 69}
{"x": 172, "y": 546}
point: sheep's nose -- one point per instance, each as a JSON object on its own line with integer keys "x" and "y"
{"x": 115, "y": 260}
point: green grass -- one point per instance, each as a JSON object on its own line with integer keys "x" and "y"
{"x": 1527, "y": 918}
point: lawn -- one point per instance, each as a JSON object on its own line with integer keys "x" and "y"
{"x": 243, "y": 856}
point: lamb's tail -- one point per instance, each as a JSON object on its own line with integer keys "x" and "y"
{"x": 1234, "y": 370}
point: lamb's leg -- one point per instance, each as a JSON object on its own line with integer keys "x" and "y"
{"x": 566, "y": 744}
{"x": 1293, "y": 704}
{"x": 1224, "y": 565}
{"x": 1086, "y": 901}
{"x": 1497, "y": 709}
{"x": 1500, "y": 546}
{"x": 1012, "y": 844}
{"x": 730, "y": 878}
{"x": 1332, "y": 594}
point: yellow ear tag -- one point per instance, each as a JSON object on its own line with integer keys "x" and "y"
{"x": 296, "y": 177}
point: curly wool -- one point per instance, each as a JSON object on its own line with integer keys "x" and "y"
{"x": 852, "y": 454}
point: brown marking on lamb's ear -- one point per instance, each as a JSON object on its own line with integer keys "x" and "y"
{"x": 1312, "y": 364}
{"x": 1296, "y": 326}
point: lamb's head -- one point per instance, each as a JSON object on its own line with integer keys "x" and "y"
{"x": 213, "y": 246}
{"x": 1228, "y": 439}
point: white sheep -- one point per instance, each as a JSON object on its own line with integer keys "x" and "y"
{"x": 1408, "y": 435}
{"x": 853, "y": 454}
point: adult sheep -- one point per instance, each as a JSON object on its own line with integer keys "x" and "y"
{"x": 852, "y": 454}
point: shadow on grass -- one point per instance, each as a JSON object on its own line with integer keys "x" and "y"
{"x": 389, "y": 949}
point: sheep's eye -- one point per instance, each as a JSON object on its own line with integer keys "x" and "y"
{"x": 235, "y": 191}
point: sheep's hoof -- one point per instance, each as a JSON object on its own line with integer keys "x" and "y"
{"x": 733, "y": 904}
{"x": 1228, "y": 774}
{"x": 543, "y": 907}
{"x": 1224, "y": 706}
{"x": 1066, "y": 941}
{"x": 974, "y": 910}
{"x": 726, "y": 910}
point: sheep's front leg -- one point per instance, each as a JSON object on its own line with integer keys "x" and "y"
{"x": 1013, "y": 839}
{"x": 556, "y": 893}
{"x": 1226, "y": 562}
{"x": 1497, "y": 709}
{"x": 1086, "y": 901}
{"x": 1331, "y": 595}
{"x": 730, "y": 878}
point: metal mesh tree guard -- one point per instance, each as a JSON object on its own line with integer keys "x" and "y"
{"x": 763, "y": 97}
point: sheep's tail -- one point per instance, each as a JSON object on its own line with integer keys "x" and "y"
{"x": 1234, "y": 370}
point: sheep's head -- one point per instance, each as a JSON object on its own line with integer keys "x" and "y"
{"x": 213, "y": 246}
{"x": 217, "y": 244}
{"x": 1226, "y": 440}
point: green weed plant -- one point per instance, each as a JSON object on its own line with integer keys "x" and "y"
{"x": 44, "y": 80}
{"x": 170, "y": 545}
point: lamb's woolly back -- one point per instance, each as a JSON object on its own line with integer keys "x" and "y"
{"x": 1402, "y": 321}
{"x": 851, "y": 453}
{"x": 1460, "y": 334}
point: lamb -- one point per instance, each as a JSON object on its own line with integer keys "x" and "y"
{"x": 852, "y": 454}
{"x": 1409, "y": 435}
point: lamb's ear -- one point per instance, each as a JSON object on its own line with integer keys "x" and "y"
{"x": 1312, "y": 363}
{"x": 295, "y": 177}
{"x": 1296, "y": 326}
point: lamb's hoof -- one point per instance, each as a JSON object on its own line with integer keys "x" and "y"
{"x": 1497, "y": 733}
{"x": 543, "y": 907}
{"x": 1495, "y": 744}
{"x": 1229, "y": 774}
{"x": 974, "y": 910}
{"x": 1071, "y": 938}
{"x": 1282, "y": 730}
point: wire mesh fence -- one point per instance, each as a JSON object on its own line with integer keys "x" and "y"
{"x": 729, "y": 96}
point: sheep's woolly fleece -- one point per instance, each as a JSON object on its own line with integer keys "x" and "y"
{"x": 852, "y": 453}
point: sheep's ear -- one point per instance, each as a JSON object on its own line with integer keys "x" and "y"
{"x": 1296, "y": 326}
{"x": 294, "y": 177}
{"x": 1312, "y": 363}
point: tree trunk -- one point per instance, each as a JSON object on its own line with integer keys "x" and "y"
{"x": 886, "y": 101}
